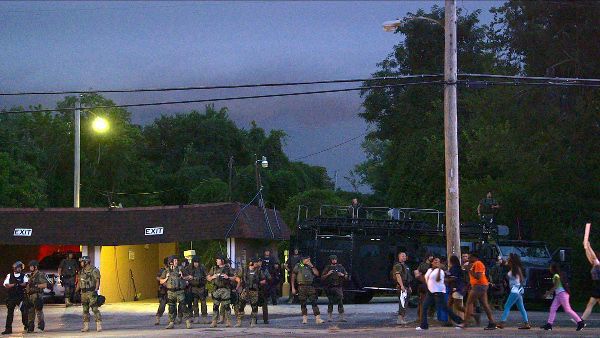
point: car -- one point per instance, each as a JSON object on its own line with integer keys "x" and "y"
{"x": 49, "y": 266}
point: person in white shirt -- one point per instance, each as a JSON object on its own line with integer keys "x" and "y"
{"x": 436, "y": 290}
{"x": 15, "y": 284}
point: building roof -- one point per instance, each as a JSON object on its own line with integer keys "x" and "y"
{"x": 118, "y": 226}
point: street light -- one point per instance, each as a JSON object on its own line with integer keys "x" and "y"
{"x": 263, "y": 163}
{"x": 450, "y": 121}
{"x": 391, "y": 26}
{"x": 100, "y": 125}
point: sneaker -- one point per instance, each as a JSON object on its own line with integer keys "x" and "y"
{"x": 420, "y": 328}
{"x": 525, "y": 326}
{"x": 547, "y": 327}
{"x": 581, "y": 325}
{"x": 491, "y": 326}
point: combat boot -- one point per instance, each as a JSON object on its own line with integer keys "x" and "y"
{"x": 178, "y": 320}
{"x": 330, "y": 316}
{"x": 318, "y": 319}
{"x": 98, "y": 326}
{"x": 170, "y": 326}
{"x": 85, "y": 328}
{"x": 157, "y": 322}
{"x": 227, "y": 316}
{"x": 304, "y": 319}
{"x": 253, "y": 321}
{"x": 188, "y": 324}
{"x": 214, "y": 322}
{"x": 68, "y": 302}
{"x": 342, "y": 318}
{"x": 238, "y": 323}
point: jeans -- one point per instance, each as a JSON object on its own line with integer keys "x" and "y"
{"x": 562, "y": 299}
{"x": 513, "y": 298}
{"x": 439, "y": 298}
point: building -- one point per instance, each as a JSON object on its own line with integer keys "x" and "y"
{"x": 129, "y": 244}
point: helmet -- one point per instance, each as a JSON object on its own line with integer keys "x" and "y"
{"x": 220, "y": 256}
{"x": 166, "y": 261}
{"x": 34, "y": 262}
{"x": 195, "y": 259}
{"x": 18, "y": 263}
{"x": 84, "y": 259}
{"x": 333, "y": 257}
{"x": 172, "y": 258}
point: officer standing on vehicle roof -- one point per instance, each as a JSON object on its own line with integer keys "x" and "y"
{"x": 304, "y": 272}
{"x": 221, "y": 275}
{"x": 67, "y": 270}
{"x": 15, "y": 283}
{"x": 172, "y": 278}
{"x": 34, "y": 291}
{"x": 89, "y": 284}
{"x": 334, "y": 275}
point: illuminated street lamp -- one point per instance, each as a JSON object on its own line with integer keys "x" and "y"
{"x": 100, "y": 125}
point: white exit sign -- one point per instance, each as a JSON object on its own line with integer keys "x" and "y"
{"x": 154, "y": 231}
{"x": 22, "y": 232}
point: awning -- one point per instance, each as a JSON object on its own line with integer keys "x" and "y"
{"x": 118, "y": 226}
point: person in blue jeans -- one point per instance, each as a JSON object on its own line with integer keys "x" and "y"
{"x": 516, "y": 279}
{"x": 434, "y": 279}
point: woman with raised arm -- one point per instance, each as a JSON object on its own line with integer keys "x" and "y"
{"x": 593, "y": 259}
{"x": 516, "y": 280}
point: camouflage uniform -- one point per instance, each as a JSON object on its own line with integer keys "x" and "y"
{"x": 334, "y": 290}
{"x": 35, "y": 302}
{"x": 306, "y": 291}
{"x": 162, "y": 296}
{"x": 175, "y": 294}
{"x": 250, "y": 279}
{"x": 198, "y": 289}
{"x": 222, "y": 294}
{"x": 86, "y": 282}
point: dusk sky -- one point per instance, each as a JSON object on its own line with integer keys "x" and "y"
{"x": 50, "y": 46}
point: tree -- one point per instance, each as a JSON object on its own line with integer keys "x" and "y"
{"x": 20, "y": 185}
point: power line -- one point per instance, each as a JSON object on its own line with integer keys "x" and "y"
{"x": 332, "y": 147}
{"x": 274, "y": 84}
{"x": 225, "y": 98}
{"x": 538, "y": 78}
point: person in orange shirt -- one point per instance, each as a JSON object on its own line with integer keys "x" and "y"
{"x": 479, "y": 287}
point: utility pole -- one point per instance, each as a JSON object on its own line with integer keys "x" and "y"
{"x": 451, "y": 131}
{"x": 77, "y": 164}
{"x": 335, "y": 178}
{"x": 230, "y": 175}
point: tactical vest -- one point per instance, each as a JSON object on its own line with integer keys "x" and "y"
{"x": 252, "y": 278}
{"x": 221, "y": 282}
{"x": 35, "y": 279}
{"x": 305, "y": 275}
{"x": 175, "y": 282}
{"x": 69, "y": 267}
{"x": 199, "y": 275}
{"x": 334, "y": 279}
{"x": 17, "y": 291}
{"x": 87, "y": 278}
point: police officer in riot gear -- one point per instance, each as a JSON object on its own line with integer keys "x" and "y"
{"x": 67, "y": 270}
{"x": 304, "y": 273}
{"x": 173, "y": 280}
{"x": 263, "y": 291}
{"x": 334, "y": 275}
{"x": 15, "y": 283}
{"x": 195, "y": 274}
{"x": 221, "y": 276}
{"x": 34, "y": 290}
{"x": 162, "y": 292}
{"x": 249, "y": 280}
{"x": 88, "y": 282}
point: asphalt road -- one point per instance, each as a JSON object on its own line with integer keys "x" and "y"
{"x": 377, "y": 319}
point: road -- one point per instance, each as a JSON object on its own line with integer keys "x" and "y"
{"x": 376, "y": 319}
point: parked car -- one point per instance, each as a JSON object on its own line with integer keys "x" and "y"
{"x": 49, "y": 266}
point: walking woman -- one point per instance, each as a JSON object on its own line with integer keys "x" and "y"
{"x": 561, "y": 298}
{"x": 457, "y": 285}
{"x": 516, "y": 279}
{"x": 595, "y": 297}
{"x": 434, "y": 279}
